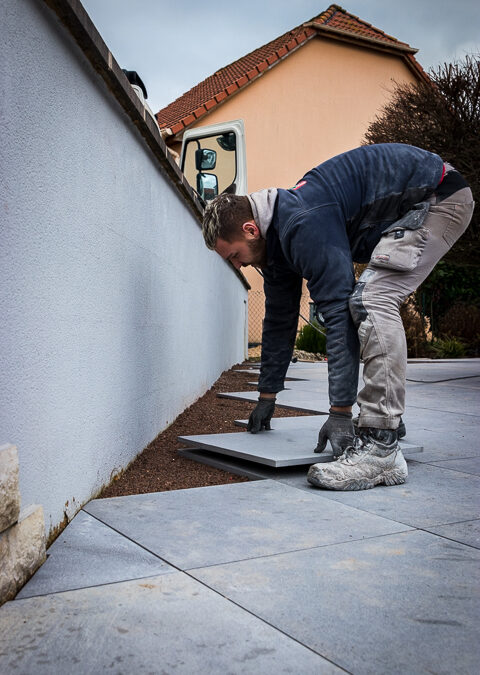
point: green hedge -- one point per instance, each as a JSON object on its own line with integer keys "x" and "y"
{"x": 311, "y": 340}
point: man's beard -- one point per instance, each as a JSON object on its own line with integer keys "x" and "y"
{"x": 258, "y": 248}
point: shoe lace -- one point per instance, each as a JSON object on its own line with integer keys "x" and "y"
{"x": 355, "y": 449}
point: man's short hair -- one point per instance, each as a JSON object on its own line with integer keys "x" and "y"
{"x": 224, "y": 217}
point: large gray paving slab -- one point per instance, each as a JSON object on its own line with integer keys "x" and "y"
{"x": 401, "y": 604}
{"x": 216, "y": 524}
{"x": 287, "y": 446}
{"x": 88, "y": 553}
{"x": 165, "y": 624}
{"x": 277, "y": 447}
{"x": 443, "y": 435}
{"x": 431, "y": 496}
{"x": 315, "y": 422}
{"x": 467, "y": 533}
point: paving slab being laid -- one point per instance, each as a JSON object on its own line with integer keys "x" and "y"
{"x": 246, "y": 468}
{"x": 404, "y": 603}
{"x": 211, "y": 525}
{"x": 315, "y": 422}
{"x": 287, "y": 446}
{"x": 88, "y": 553}
{"x": 431, "y": 496}
{"x": 164, "y": 624}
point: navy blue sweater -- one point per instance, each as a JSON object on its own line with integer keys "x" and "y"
{"x": 333, "y": 217}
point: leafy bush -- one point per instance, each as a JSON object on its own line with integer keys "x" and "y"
{"x": 448, "y": 286}
{"x": 448, "y": 348}
{"x": 417, "y": 328}
{"x": 462, "y": 320}
{"x": 311, "y": 340}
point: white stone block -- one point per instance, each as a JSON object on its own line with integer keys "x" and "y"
{"x": 22, "y": 551}
{"x": 9, "y": 491}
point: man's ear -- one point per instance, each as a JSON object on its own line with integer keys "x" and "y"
{"x": 250, "y": 228}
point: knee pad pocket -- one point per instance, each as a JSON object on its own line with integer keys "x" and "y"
{"x": 364, "y": 330}
{"x": 355, "y": 301}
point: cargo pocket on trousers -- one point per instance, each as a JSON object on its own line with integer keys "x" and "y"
{"x": 400, "y": 249}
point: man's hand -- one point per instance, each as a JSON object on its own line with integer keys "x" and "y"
{"x": 261, "y": 415}
{"x": 338, "y": 429}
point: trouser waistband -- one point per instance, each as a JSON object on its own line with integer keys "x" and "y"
{"x": 450, "y": 182}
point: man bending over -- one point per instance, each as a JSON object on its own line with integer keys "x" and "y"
{"x": 393, "y": 206}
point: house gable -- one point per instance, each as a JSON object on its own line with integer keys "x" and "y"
{"x": 334, "y": 23}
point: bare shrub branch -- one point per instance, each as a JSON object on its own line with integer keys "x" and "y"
{"x": 442, "y": 116}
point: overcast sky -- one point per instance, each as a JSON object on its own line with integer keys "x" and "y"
{"x": 173, "y": 45}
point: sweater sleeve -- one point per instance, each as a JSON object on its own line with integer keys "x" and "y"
{"x": 283, "y": 289}
{"x": 319, "y": 247}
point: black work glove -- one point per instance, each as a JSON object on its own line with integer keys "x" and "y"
{"x": 261, "y": 416}
{"x": 338, "y": 429}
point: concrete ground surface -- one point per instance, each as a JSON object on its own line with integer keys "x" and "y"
{"x": 273, "y": 575}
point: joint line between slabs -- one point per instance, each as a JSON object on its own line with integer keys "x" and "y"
{"x": 255, "y": 557}
{"x": 437, "y": 464}
{"x": 444, "y": 536}
{"x": 268, "y": 623}
{"x": 82, "y": 588}
{"x": 211, "y": 589}
{"x": 179, "y": 569}
{"x": 299, "y": 550}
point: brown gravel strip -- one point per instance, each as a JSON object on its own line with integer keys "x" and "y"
{"x": 159, "y": 467}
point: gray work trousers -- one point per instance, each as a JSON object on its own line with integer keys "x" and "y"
{"x": 402, "y": 259}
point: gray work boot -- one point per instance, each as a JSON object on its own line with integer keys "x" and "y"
{"x": 374, "y": 459}
{"x": 401, "y": 431}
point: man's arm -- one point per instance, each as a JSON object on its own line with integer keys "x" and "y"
{"x": 343, "y": 353}
{"x": 283, "y": 289}
{"x": 282, "y": 299}
{"x": 319, "y": 246}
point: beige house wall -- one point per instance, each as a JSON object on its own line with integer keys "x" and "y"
{"x": 313, "y": 105}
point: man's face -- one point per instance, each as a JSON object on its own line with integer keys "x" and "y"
{"x": 248, "y": 249}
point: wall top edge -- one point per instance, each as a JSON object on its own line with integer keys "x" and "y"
{"x": 75, "y": 19}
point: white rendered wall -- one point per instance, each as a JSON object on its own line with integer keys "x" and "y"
{"x": 114, "y": 315}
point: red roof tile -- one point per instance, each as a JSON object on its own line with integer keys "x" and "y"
{"x": 334, "y": 21}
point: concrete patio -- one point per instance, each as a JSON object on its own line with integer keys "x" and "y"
{"x": 272, "y": 575}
